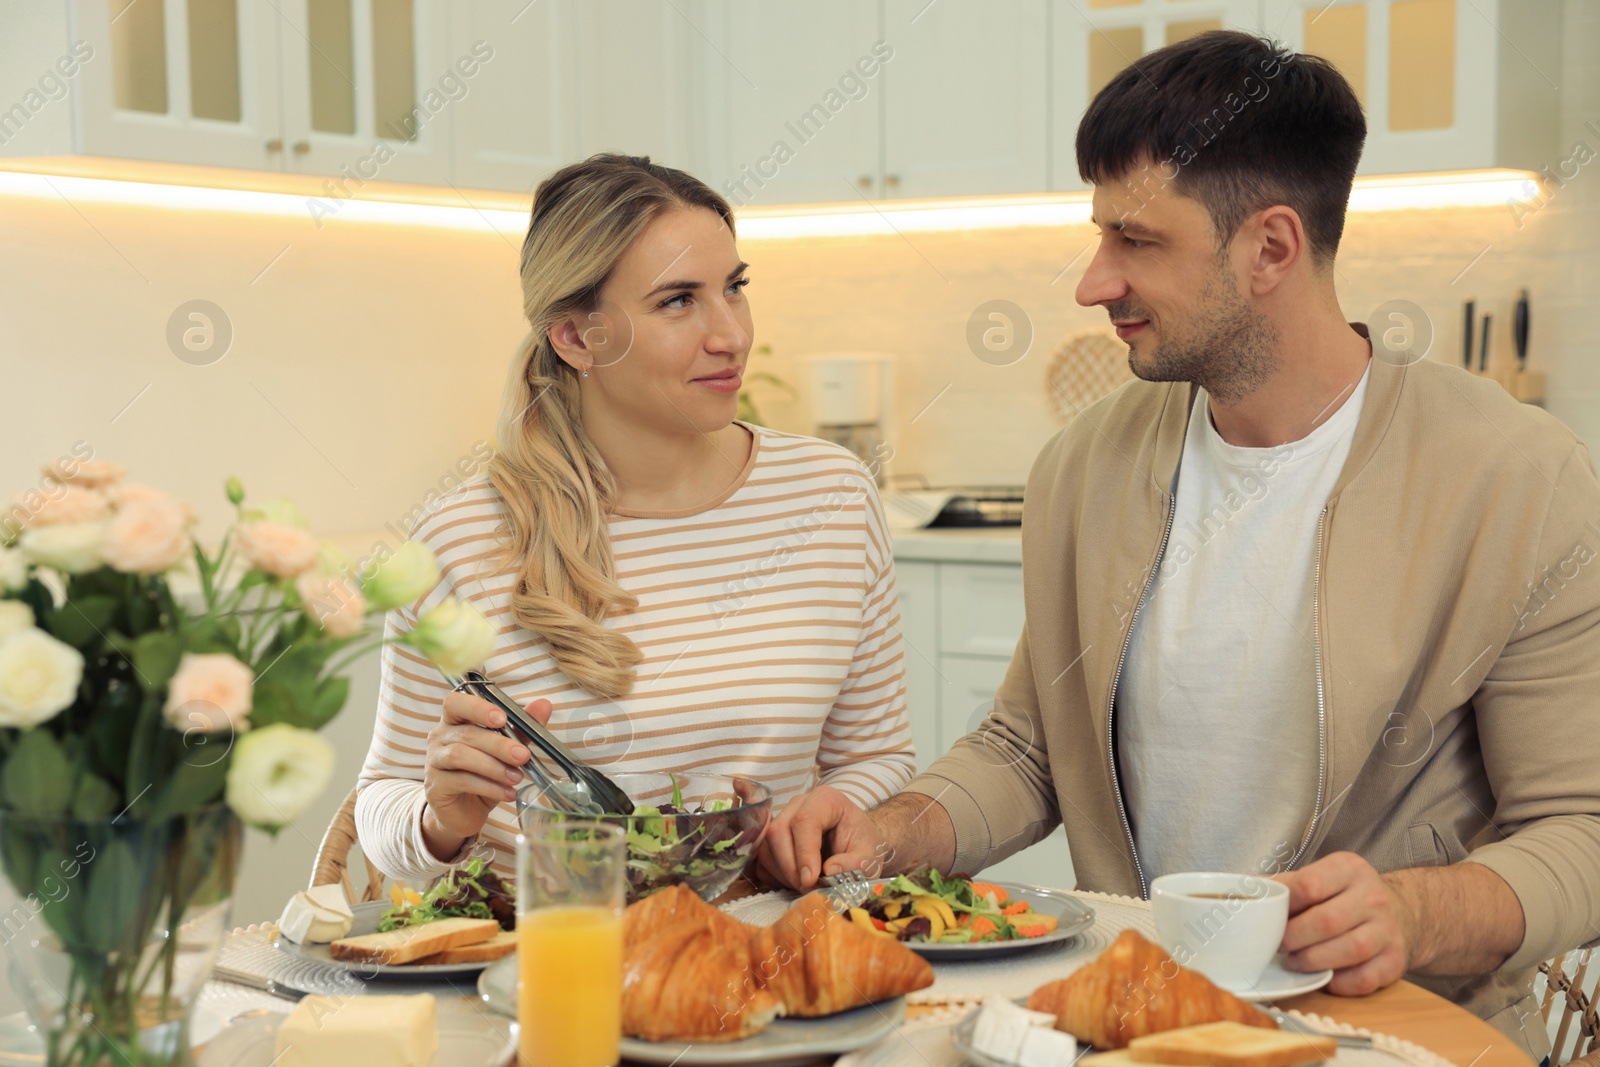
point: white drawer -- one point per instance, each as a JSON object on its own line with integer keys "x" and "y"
{"x": 980, "y": 608}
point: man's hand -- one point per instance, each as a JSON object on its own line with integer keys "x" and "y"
{"x": 792, "y": 853}
{"x": 1345, "y": 916}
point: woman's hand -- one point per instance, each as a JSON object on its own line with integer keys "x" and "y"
{"x": 470, "y": 769}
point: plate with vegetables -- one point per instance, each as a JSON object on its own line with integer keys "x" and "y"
{"x": 471, "y": 891}
{"x": 957, "y": 918}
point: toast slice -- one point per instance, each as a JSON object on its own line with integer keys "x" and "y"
{"x": 501, "y": 945}
{"x": 410, "y": 943}
{"x": 1231, "y": 1045}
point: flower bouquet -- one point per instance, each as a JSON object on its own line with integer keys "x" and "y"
{"x": 154, "y": 698}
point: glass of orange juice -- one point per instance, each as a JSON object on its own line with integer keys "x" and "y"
{"x": 569, "y": 943}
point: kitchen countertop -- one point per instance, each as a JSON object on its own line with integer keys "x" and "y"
{"x": 983, "y": 544}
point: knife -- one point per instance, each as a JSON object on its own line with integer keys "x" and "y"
{"x": 1299, "y": 1026}
{"x": 1466, "y": 333}
{"x": 1519, "y": 330}
{"x": 256, "y": 981}
{"x": 1483, "y": 346}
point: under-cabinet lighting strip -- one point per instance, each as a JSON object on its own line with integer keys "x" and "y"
{"x": 500, "y": 213}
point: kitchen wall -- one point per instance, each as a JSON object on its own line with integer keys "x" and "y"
{"x": 366, "y": 362}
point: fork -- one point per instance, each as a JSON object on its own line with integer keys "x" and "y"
{"x": 847, "y": 889}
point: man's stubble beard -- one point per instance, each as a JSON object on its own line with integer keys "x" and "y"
{"x": 1229, "y": 350}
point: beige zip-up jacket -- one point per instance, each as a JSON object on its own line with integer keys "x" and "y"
{"x": 1457, "y": 653}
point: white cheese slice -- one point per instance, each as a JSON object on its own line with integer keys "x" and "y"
{"x": 1043, "y": 1047}
{"x": 360, "y": 1031}
{"x": 1000, "y": 1028}
{"x": 316, "y": 916}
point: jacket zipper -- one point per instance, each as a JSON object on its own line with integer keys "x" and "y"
{"x": 1111, "y": 709}
{"x": 1322, "y": 707}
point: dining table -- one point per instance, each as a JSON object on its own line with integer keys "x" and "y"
{"x": 1404, "y": 1011}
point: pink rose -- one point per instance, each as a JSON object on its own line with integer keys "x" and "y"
{"x": 282, "y": 551}
{"x": 90, "y": 473}
{"x": 147, "y": 536}
{"x": 135, "y": 492}
{"x": 332, "y": 603}
{"x": 210, "y": 692}
{"x": 59, "y": 505}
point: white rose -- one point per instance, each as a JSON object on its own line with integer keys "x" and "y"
{"x": 277, "y": 771}
{"x": 15, "y": 616}
{"x": 73, "y": 547}
{"x": 13, "y": 569}
{"x": 454, "y": 635}
{"x": 211, "y": 691}
{"x": 39, "y": 678}
{"x": 402, "y": 578}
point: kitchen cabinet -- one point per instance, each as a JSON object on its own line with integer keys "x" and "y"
{"x": 1091, "y": 42}
{"x": 349, "y": 89}
{"x": 960, "y": 622}
{"x": 1446, "y": 84}
{"x": 966, "y": 104}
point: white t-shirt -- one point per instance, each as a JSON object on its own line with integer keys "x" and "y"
{"x": 1217, "y": 707}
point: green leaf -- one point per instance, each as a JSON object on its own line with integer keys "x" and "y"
{"x": 82, "y": 623}
{"x": 330, "y": 698}
{"x": 155, "y": 657}
{"x": 197, "y": 781}
{"x": 116, "y": 886}
{"x": 94, "y": 799}
{"x": 115, "y": 717}
{"x": 38, "y": 779}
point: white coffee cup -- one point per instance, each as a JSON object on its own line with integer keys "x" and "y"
{"x": 1226, "y": 926}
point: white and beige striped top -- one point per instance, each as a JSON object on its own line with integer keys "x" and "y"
{"x": 771, "y": 640}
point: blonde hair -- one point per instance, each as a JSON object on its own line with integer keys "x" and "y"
{"x": 555, "y": 486}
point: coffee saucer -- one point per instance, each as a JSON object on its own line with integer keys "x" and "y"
{"x": 1278, "y": 982}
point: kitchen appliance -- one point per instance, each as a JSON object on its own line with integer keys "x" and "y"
{"x": 851, "y": 396}
{"x": 915, "y": 509}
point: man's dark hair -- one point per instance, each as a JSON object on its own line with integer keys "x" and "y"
{"x": 1236, "y": 122}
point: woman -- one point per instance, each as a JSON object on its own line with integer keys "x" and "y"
{"x": 674, "y": 590}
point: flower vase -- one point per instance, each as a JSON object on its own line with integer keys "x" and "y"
{"x": 118, "y": 927}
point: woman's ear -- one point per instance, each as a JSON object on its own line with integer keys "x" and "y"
{"x": 566, "y": 337}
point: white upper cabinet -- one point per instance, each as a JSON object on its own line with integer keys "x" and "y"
{"x": 519, "y": 118}
{"x": 352, "y": 89}
{"x": 1446, "y": 84}
{"x": 637, "y": 65}
{"x": 802, "y": 90}
{"x": 369, "y": 88}
{"x": 186, "y": 81}
{"x": 1093, "y": 40}
{"x": 966, "y": 107}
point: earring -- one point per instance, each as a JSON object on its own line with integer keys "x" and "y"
{"x": 585, "y": 374}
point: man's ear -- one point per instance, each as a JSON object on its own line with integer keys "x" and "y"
{"x": 1277, "y": 241}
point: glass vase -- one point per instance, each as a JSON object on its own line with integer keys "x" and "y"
{"x": 118, "y": 927}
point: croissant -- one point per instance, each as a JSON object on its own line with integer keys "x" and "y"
{"x": 1132, "y": 989}
{"x": 686, "y": 972}
{"x": 818, "y": 963}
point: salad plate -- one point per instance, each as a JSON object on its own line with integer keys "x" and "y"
{"x": 366, "y": 922}
{"x": 783, "y": 1043}
{"x": 1072, "y": 917}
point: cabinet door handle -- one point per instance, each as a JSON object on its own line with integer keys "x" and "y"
{"x": 891, "y": 181}
{"x": 275, "y": 145}
{"x": 302, "y": 147}
{"x": 865, "y": 181}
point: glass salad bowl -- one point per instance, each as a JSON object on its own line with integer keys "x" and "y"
{"x": 698, "y": 830}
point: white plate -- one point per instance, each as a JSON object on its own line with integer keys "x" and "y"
{"x": 252, "y": 1042}
{"x": 1072, "y": 916}
{"x": 785, "y": 1042}
{"x": 1278, "y": 982}
{"x": 367, "y": 916}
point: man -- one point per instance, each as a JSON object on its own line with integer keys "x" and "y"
{"x": 1292, "y": 607}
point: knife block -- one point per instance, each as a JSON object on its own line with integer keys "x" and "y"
{"x": 1524, "y": 385}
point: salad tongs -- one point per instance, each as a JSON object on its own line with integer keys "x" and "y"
{"x": 590, "y": 793}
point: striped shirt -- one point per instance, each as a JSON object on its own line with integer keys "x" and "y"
{"x": 769, "y": 628}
